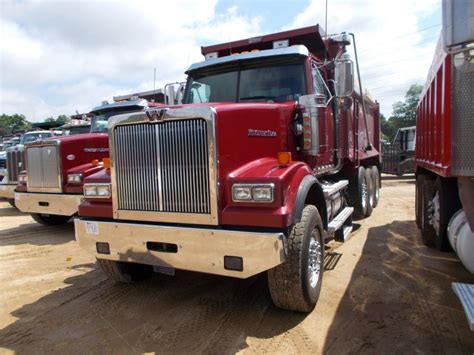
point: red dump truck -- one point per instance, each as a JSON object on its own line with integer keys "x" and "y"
{"x": 444, "y": 139}
{"x": 444, "y": 159}
{"x": 266, "y": 160}
{"x": 50, "y": 188}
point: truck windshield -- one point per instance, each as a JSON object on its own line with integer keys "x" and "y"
{"x": 99, "y": 121}
{"x": 33, "y": 137}
{"x": 251, "y": 82}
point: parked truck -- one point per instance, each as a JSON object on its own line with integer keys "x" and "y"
{"x": 266, "y": 160}
{"x": 14, "y": 163}
{"x": 50, "y": 188}
{"x": 444, "y": 161}
{"x": 399, "y": 155}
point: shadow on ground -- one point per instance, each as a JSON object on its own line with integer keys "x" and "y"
{"x": 399, "y": 299}
{"x": 37, "y": 234}
{"x": 188, "y": 313}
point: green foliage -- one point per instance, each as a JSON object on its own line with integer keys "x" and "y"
{"x": 12, "y": 123}
{"x": 60, "y": 120}
{"x": 403, "y": 114}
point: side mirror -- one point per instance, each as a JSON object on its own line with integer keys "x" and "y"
{"x": 344, "y": 75}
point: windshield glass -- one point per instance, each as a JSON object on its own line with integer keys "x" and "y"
{"x": 76, "y": 130}
{"x": 100, "y": 119}
{"x": 248, "y": 82}
{"x": 33, "y": 137}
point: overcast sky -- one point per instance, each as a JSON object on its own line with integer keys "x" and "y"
{"x": 57, "y": 57}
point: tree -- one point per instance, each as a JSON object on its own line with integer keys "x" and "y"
{"x": 404, "y": 112}
{"x": 12, "y": 123}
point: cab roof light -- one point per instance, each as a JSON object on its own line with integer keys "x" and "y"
{"x": 281, "y": 44}
{"x": 284, "y": 158}
{"x": 211, "y": 55}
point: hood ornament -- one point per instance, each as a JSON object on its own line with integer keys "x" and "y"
{"x": 156, "y": 114}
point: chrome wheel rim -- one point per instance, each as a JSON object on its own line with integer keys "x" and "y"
{"x": 314, "y": 259}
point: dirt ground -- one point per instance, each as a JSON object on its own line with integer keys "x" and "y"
{"x": 383, "y": 292}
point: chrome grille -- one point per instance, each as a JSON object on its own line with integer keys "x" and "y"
{"x": 163, "y": 167}
{"x": 43, "y": 170}
{"x": 15, "y": 163}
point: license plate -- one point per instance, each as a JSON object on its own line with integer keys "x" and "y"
{"x": 92, "y": 228}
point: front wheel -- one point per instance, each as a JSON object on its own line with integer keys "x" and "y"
{"x": 119, "y": 271}
{"x": 295, "y": 285}
{"x": 50, "y": 219}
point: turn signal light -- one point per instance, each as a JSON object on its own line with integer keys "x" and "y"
{"x": 106, "y": 162}
{"x": 95, "y": 162}
{"x": 284, "y": 158}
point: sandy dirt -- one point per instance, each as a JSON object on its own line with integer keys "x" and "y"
{"x": 383, "y": 292}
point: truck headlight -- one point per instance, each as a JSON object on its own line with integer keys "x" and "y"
{"x": 74, "y": 178}
{"x": 253, "y": 192}
{"x": 97, "y": 190}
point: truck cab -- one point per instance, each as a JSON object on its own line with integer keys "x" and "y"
{"x": 249, "y": 175}
{"x": 50, "y": 188}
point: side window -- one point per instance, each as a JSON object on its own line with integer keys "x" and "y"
{"x": 199, "y": 92}
{"x": 319, "y": 86}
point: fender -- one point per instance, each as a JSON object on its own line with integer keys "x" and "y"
{"x": 276, "y": 214}
{"x": 309, "y": 192}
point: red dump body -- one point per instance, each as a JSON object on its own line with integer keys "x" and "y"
{"x": 444, "y": 127}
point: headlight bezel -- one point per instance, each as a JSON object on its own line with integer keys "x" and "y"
{"x": 94, "y": 188}
{"x": 75, "y": 178}
{"x": 252, "y": 188}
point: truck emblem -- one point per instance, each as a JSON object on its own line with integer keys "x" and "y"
{"x": 156, "y": 115}
{"x": 261, "y": 133}
{"x": 71, "y": 157}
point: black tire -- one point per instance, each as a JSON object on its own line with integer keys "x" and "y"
{"x": 420, "y": 179}
{"x": 428, "y": 233}
{"x": 449, "y": 203}
{"x": 376, "y": 185}
{"x": 11, "y": 201}
{"x": 358, "y": 194}
{"x": 124, "y": 272}
{"x": 291, "y": 286}
{"x": 369, "y": 180}
{"x": 50, "y": 219}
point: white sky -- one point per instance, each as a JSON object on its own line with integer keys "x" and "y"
{"x": 57, "y": 57}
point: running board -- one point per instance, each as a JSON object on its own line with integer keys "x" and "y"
{"x": 465, "y": 293}
{"x": 328, "y": 190}
{"x": 341, "y": 225}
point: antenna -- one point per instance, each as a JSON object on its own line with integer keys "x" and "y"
{"x": 326, "y": 19}
{"x": 326, "y": 29}
{"x": 154, "y": 83}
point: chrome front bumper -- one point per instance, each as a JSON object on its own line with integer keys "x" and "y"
{"x": 193, "y": 249}
{"x": 59, "y": 204}
{"x": 7, "y": 191}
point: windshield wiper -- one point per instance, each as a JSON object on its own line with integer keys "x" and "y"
{"x": 261, "y": 97}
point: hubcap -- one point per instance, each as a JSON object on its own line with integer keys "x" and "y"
{"x": 433, "y": 213}
{"x": 314, "y": 259}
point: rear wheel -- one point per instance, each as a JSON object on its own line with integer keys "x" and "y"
{"x": 358, "y": 196}
{"x": 376, "y": 185}
{"x": 50, "y": 219}
{"x": 445, "y": 203}
{"x": 418, "y": 198}
{"x": 296, "y": 284}
{"x": 369, "y": 180}
{"x": 119, "y": 271}
{"x": 427, "y": 193}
